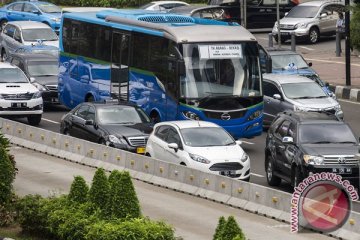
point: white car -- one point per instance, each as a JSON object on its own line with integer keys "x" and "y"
{"x": 200, "y": 145}
{"x": 23, "y": 33}
{"x": 163, "y": 5}
{"x": 18, "y": 96}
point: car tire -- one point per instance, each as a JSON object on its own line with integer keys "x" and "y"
{"x": 2, "y": 24}
{"x": 269, "y": 170}
{"x": 314, "y": 35}
{"x": 103, "y": 142}
{"x": 3, "y": 55}
{"x": 66, "y": 132}
{"x": 296, "y": 177}
{"x": 246, "y": 179}
{"x": 90, "y": 98}
{"x": 154, "y": 116}
{"x": 34, "y": 120}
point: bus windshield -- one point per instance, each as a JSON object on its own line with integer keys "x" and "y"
{"x": 221, "y": 70}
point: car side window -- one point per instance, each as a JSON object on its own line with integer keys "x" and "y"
{"x": 174, "y": 137}
{"x": 270, "y": 89}
{"x": 29, "y": 8}
{"x": 162, "y": 131}
{"x": 282, "y": 129}
{"x": 82, "y": 112}
{"x": 16, "y": 7}
{"x": 91, "y": 114}
{"x": 17, "y": 35}
{"x": 9, "y": 30}
{"x": 15, "y": 61}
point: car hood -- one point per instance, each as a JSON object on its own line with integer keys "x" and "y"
{"x": 53, "y": 15}
{"x": 47, "y": 80}
{"x": 48, "y": 43}
{"x": 303, "y": 71}
{"x": 139, "y": 129}
{"x": 14, "y": 88}
{"x": 294, "y": 21}
{"x": 330, "y": 149}
{"x": 218, "y": 153}
{"x": 316, "y": 103}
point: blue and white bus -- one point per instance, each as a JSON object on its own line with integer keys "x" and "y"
{"x": 175, "y": 67}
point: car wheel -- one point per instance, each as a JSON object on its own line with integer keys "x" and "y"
{"x": 103, "y": 142}
{"x": 296, "y": 177}
{"x": 148, "y": 154}
{"x": 3, "y": 55}
{"x": 2, "y": 24}
{"x": 314, "y": 35}
{"x": 34, "y": 120}
{"x": 155, "y": 117}
{"x": 66, "y": 132}
{"x": 270, "y": 176}
{"x": 90, "y": 98}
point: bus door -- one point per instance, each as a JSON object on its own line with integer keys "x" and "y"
{"x": 172, "y": 83}
{"x": 119, "y": 87}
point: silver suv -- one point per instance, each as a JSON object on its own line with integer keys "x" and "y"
{"x": 310, "y": 20}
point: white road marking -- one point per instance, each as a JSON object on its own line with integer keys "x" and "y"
{"x": 307, "y": 48}
{"x": 247, "y": 142}
{"x": 257, "y": 175}
{"x": 348, "y": 101}
{"x": 262, "y": 38}
{"x": 48, "y": 120}
{"x": 329, "y": 61}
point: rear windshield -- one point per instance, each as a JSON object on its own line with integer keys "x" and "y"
{"x": 12, "y": 75}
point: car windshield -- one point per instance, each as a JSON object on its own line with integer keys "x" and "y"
{"x": 288, "y": 62}
{"x": 36, "y": 34}
{"x": 38, "y": 68}
{"x": 146, "y": 5}
{"x": 12, "y": 75}
{"x": 303, "y": 90}
{"x": 325, "y": 133}
{"x": 49, "y": 8}
{"x": 100, "y": 73}
{"x": 206, "y": 137}
{"x": 122, "y": 115}
{"x": 303, "y": 12}
{"x": 220, "y": 70}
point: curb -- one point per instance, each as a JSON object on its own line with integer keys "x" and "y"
{"x": 345, "y": 92}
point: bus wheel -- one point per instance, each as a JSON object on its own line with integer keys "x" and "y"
{"x": 90, "y": 98}
{"x": 155, "y": 117}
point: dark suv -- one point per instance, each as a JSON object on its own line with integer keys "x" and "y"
{"x": 299, "y": 144}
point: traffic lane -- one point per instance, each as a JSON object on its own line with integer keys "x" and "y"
{"x": 192, "y": 217}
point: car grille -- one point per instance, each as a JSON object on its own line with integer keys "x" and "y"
{"x": 137, "y": 141}
{"x": 226, "y": 166}
{"x": 52, "y": 87}
{"x": 340, "y": 159}
{"x": 19, "y": 96}
{"x": 221, "y": 115}
{"x": 287, "y": 27}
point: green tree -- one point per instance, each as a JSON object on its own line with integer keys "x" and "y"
{"x": 99, "y": 191}
{"x": 7, "y": 172}
{"x": 79, "y": 190}
{"x": 355, "y": 27}
{"x": 219, "y": 229}
{"x": 231, "y": 230}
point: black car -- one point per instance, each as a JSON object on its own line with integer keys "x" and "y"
{"x": 42, "y": 70}
{"x": 299, "y": 144}
{"x": 124, "y": 126}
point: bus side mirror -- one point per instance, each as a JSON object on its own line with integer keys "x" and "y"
{"x": 181, "y": 68}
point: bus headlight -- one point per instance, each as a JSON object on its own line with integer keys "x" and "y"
{"x": 190, "y": 115}
{"x": 255, "y": 114}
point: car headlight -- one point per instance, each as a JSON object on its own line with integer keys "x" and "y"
{"x": 337, "y": 107}
{"x": 1, "y": 97}
{"x": 244, "y": 158}
{"x": 56, "y": 19}
{"x": 255, "y": 114}
{"x": 198, "y": 158}
{"x": 114, "y": 139}
{"x": 36, "y": 95}
{"x": 313, "y": 160}
{"x": 301, "y": 25}
{"x": 190, "y": 115}
{"x": 39, "y": 86}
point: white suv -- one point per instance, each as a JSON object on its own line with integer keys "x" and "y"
{"x": 200, "y": 145}
{"x": 18, "y": 96}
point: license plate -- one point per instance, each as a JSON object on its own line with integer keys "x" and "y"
{"x": 228, "y": 173}
{"x": 140, "y": 150}
{"x": 285, "y": 33}
{"x": 18, "y": 105}
{"x": 342, "y": 170}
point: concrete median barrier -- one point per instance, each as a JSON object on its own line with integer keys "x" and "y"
{"x": 248, "y": 196}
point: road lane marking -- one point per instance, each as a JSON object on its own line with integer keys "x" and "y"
{"x": 48, "y": 120}
{"x": 247, "y": 142}
{"x": 262, "y": 38}
{"x": 257, "y": 175}
{"x": 307, "y": 48}
{"x": 329, "y": 61}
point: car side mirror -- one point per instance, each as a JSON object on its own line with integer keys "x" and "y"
{"x": 286, "y": 13}
{"x": 310, "y": 64}
{"x": 32, "y": 79}
{"x": 89, "y": 122}
{"x": 323, "y": 15}
{"x": 173, "y": 146}
{"x": 288, "y": 140}
{"x": 327, "y": 84}
{"x": 37, "y": 12}
{"x": 238, "y": 142}
{"x": 85, "y": 78}
{"x": 277, "y": 96}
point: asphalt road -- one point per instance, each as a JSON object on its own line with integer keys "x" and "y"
{"x": 192, "y": 217}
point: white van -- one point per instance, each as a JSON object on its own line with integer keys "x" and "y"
{"x": 18, "y": 96}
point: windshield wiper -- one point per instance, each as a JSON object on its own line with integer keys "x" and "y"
{"x": 305, "y": 97}
{"x": 347, "y": 142}
{"x": 321, "y": 142}
{"x": 321, "y": 97}
{"x": 230, "y": 143}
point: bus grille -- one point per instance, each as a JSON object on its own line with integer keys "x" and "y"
{"x": 219, "y": 115}
{"x": 167, "y": 19}
{"x": 137, "y": 141}
{"x": 338, "y": 159}
{"x": 20, "y": 96}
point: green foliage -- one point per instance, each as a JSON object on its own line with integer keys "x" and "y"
{"x": 238, "y": 237}
{"x": 123, "y": 202}
{"x": 7, "y": 172}
{"x": 220, "y": 228}
{"x": 355, "y": 27}
{"x": 100, "y": 189}
{"x": 134, "y": 229}
{"x": 231, "y": 230}
{"x": 79, "y": 190}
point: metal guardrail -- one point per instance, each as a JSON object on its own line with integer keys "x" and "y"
{"x": 248, "y": 196}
